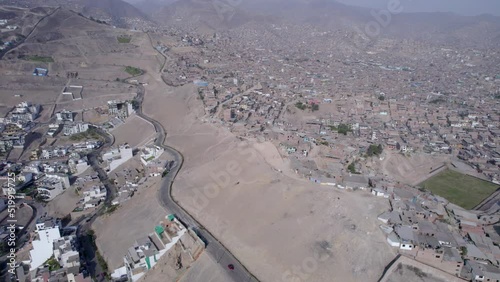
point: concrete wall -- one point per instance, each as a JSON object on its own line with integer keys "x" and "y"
{"x": 425, "y": 268}
{"x": 430, "y": 257}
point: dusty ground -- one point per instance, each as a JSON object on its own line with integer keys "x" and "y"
{"x": 94, "y": 117}
{"x": 118, "y": 231}
{"x": 15, "y": 154}
{"x": 259, "y": 213}
{"x": 23, "y": 215}
{"x": 76, "y": 45}
{"x": 409, "y": 274}
{"x": 205, "y": 269}
{"x": 135, "y": 131}
{"x": 202, "y": 269}
{"x": 410, "y": 170}
{"x": 63, "y": 204}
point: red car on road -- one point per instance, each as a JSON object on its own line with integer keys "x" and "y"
{"x": 230, "y": 266}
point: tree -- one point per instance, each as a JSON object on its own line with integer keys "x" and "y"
{"x": 381, "y": 97}
{"x": 463, "y": 250}
{"x": 344, "y": 128}
{"x": 135, "y": 104}
{"x": 352, "y": 168}
{"x": 300, "y": 105}
{"x": 374, "y": 150}
{"x": 314, "y": 107}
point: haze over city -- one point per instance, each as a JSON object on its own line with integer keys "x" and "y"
{"x": 463, "y": 7}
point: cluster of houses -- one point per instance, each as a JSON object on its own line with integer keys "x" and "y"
{"x": 72, "y": 151}
{"x": 91, "y": 190}
{"x": 4, "y": 27}
{"x": 120, "y": 109}
{"x": 51, "y": 185}
{"x": 146, "y": 251}
{"x": 49, "y": 179}
{"x": 401, "y": 107}
{"x": 433, "y": 231}
{"x": 154, "y": 166}
{"x": 129, "y": 178}
{"x": 54, "y": 254}
{"x": 67, "y": 125}
{"x": 15, "y": 126}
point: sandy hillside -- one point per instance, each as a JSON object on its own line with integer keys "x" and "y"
{"x": 135, "y": 131}
{"x": 410, "y": 170}
{"x": 258, "y": 212}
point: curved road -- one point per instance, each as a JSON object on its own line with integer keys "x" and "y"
{"x": 214, "y": 247}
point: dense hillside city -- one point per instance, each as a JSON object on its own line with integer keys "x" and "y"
{"x": 198, "y": 140}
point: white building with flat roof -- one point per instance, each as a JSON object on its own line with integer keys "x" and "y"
{"x": 67, "y": 255}
{"x": 146, "y": 251}
{"x": 52, "y": 185}
{"x": 150, "y": 153}
{"x": 117, "y": 156}
{"x": 43, "y": 246}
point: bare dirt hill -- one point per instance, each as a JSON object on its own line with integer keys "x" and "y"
{"x": 432, "y": 28}
{"x": 116, "y": 12}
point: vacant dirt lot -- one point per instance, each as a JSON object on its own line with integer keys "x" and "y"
{"x": 63, "y": 204}
{"x": 134, "y": 219}
{"x": 410, "y": 170}
{"x": 135, "y": 131}
{"x": 205, "y": 269}
{"x": 23, "y": 215}
{"x": 411, "y": 274}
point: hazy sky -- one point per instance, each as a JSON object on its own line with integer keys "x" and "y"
{"x": 464, "y": 7}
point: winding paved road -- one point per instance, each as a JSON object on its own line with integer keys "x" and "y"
{"x": 215, "y": 248}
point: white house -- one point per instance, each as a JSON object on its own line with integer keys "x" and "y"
{"x": 93, "y": 196}
{"x": 52, "y": 185}
{"x": 25, "y": 177}
{"x": 78, "y": 166}
{"x": 147, "y": 251}
{"x": 65, "y": 116}
{"x": 393, "y": 240}
{"x": 150, "y": 153}
{"x": 390, "y": 216}
{"x": 117, "y": 156}
{"x": 380, "y": 193}
{"x": 43, "y": 245}
{"x": 406, "y": 246}
{"x": 66, "y": 254}
{"x": 75, "y": 128}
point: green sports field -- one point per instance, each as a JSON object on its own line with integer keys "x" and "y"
{"x": 463, "y": 190}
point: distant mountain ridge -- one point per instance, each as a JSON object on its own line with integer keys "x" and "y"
{"x": 436, "y": 28}
{"x": 116, "y": 12}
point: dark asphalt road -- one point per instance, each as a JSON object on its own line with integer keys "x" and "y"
{"x": 214, "y": 247}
